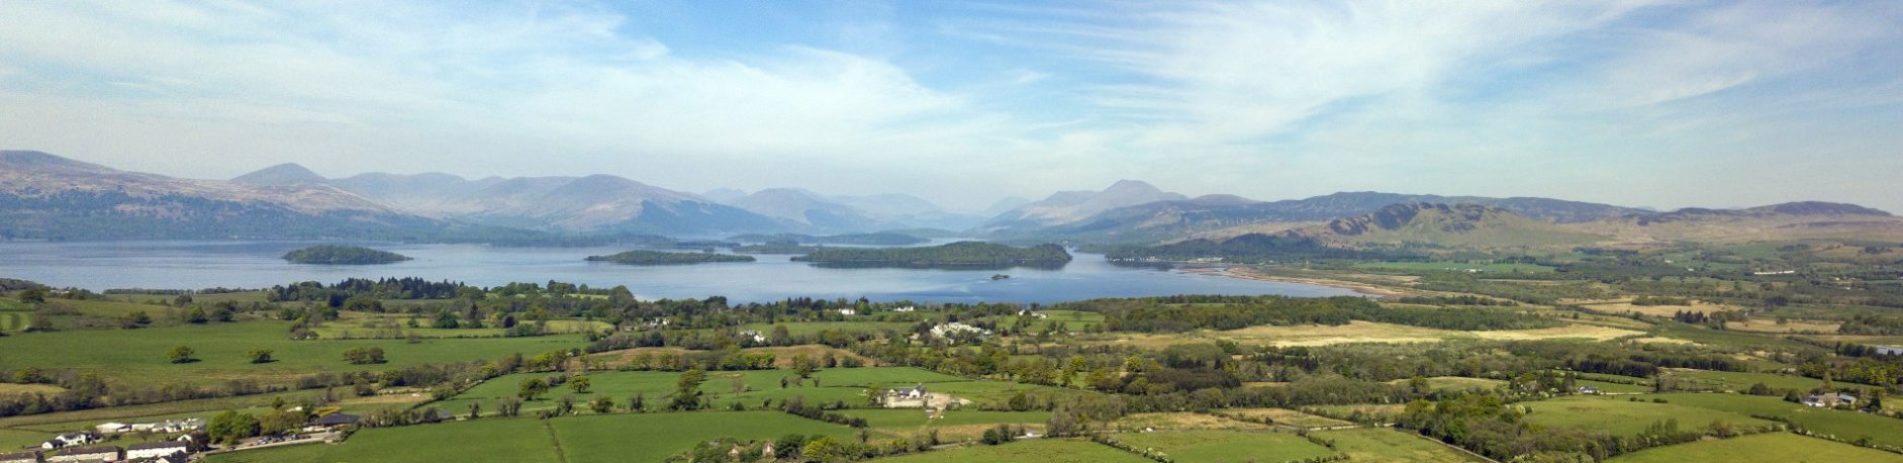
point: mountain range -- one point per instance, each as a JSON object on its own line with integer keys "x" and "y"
{"x": 43, "y": 196}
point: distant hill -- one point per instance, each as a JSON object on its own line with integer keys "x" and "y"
{"x": 1225, "y": 215}
{"x": 1068, "y": 207}
{"x": 1450, "y": 226}
{"x": 43, "y": 196}
{"x": 281, "y": 174}
{"x": 1807, "y": 220}
{"x": 806, "y": 209}
{"x": 593, "y": 204}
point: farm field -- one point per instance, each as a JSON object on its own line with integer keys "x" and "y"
{"x": 1614, "y": 388}
{"x": 1358, "y": 332}
{"x": 1457, "y": 383}
{"x": 1226, "y": 446}
{"x": 1040, "y": 450}
{"x": 1843, "y": 424}
{"x": 1451, "y": 266}
{"x": 396, "y": 326}
{"x": 1775, "y": 447}
{"x": 584, "y": 439}
{"x": 1392, "y": 446}
{"x": 139, "y": 356}
{"x": 1286, "y": 417}
{"x": 1741, "y": 381}
{"x": 812, "y": 328}
{"x": 1619, "y": 416}
{"x": 782, "y": 356}
{"x": 846, "y": 385}
{"x": 1183, "y": 421}
{"x": 1378, "y": 412}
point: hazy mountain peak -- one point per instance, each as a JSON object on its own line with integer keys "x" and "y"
{"x": 38, "y": 160}
{"x": 289, "y": 173}
{"x": 1132, "y": 186}
{"x": 1820, "y": 208}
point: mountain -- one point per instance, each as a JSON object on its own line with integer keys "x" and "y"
{"x": 1467, "y": 226}
{"x": 724, "y": 195}
{"x": 806, "y": 210}
{"x": 1067, "y": 207}
{"x": 1807, "y": 220}
{"x": 1004, "y": 205}
{"x": 570, "y": 205}
{"x": 281, "y": 174}
{"x": 903, "y": 210}
{"x": 43, "y": 196}
{"x": 1226, "y": 215}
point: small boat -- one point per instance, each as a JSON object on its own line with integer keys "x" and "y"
{"x": 1000, "y": 276}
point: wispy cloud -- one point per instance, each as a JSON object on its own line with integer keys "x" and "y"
{"x": 1267, "y": 99}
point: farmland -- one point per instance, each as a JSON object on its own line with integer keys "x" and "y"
{"x": 1620, "y": 416}
{"x": 1042, "y": 451}
{"x": 1762, "y": 448}
{"x": 1221, "y": 446}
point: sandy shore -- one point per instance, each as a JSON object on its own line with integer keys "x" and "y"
{"x": 1249, "y": 274}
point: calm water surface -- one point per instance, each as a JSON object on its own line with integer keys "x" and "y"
{"x": 193, "y": 265}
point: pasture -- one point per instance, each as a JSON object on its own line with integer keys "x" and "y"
{"x": 1452, "y": 266}
{"x": 583, "y": 439}
{"x": 1775, "y": 447}
{"x": 1619, "y": 416}
{"x": 139, "y": 356}
{"x": 1226, "y": 446}
{"x": 1740, "y": 381}
{"x": 1846, "y": 425}
{"x": 750, "y": 389}
{"x": 1358, "y": 332}
{"x": 1040, "y": 450}
{"x": 1286, "y": 417}
{"x": 1389, "y": 445}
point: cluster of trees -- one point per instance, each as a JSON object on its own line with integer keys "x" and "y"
{"x": 1872, "y": 324}
{"x": 364, "y": 355}
{"x": 1486, "y": 424}
{"x": 963, "y": 254}
{"x": 1185, "y": 313}
{"x": 343, "y": 255}
{"x": 387, "y": 288}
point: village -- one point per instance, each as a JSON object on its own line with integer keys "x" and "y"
{"x": 168, "y": 441}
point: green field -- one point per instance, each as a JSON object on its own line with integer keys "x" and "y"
{"x": 812, "y": 328}
{"x": 585, "y": 439}
{"x": 1619, "y": 416}
{"x": 836, "y": 385}
{"x": 1385, "y": 445}
{"x": 1609, "y": 387}
{"x": 1776, "y": 447}
{"x": 1226, "y": 446}
{"x": 1457, "y": 383}
{"x": 898, "y": 419}
{"x": 1040, "y": 451}
{"x": 1071, "y": 319}
{"x": 1740, "y": 381}
{"x": 396, "y": 326}
{"x": 1846, "y": 425}
{"x": 139, "y": 356}
{"x": 1450, "y": 266}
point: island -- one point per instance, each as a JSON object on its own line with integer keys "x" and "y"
{"x": 668, "y": 258}
{"x": 963, "y": 254}
{"x": 343, "y": 255}
{"x": 777, "y": 247}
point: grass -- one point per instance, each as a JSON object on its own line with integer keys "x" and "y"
{"x": 74, "y": 420}
{"x": 1611, "y": 387}
{"x": 1226, "y": 446}
{"x": 1286, "y": 417}
{"x": 7, "y": 389}
{"x": 813, "y": 328}
{"x": 584, "y": 439}
{"x": 1740, "y": 381}
{"x": 1379, "y": 412}
{"x": 1389, "y": 445}
{"x": 394, "y": 326}
{"x": 1454, "y": 266}
{"x": 139, "y": 356}
{"x": 1041, "y": 451}
{"x": 1182, "y": 421}
{"x": 1619, "y": 416}
{"x": 1359, "y": 332}
{"x": 1774, "y": 447}
{"x": 1843, "y": 424}
{"x": 836, "y": 385}
{"x": 1457, "y": 383}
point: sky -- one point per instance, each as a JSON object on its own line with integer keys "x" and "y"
{"x": 1641, "y": 103}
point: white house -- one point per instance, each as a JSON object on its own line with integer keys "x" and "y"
{"x": 848, "y": 312}
{"x": 70, "y": 439}
{"x": 754, "y": 335}
{"x": 905, "y": 309}
{"x": 88, "y": 454}
{"x": 906, "y": 393}
{"x": 1830, "y": 400}
{"x": 112, "y": 427}
{"x": 157, "y": 450}
{"x": 946, "y": 330}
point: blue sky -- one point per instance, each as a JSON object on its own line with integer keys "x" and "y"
{"x": 1645, "y": 103}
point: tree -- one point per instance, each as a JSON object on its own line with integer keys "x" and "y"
{"x": 231, "y": 426}
{"x": 364, "y": 355}
{"x": 687, "y": 390}
{"x": 804, "y": 366}
{"x": 781, "y": 337}
{"x": 823, "y": 449}
{"x": 531, "y": 388}
{"x": 638, "y": 403}
{"x": 197, "y": 316}
{"x": 475, "y": 410}
{"x": 260, "y": 356}
{"x": 279, "y": 421}
{"x": 602, "y": 405}
{"x": 33, "y": 296}
{"x": 579, "y": 384}
{"x": 182, "y": 354}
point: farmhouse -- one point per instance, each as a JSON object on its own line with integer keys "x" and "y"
{"x": 20, "y": 457}
{"x": 947, "y": 330}
{"x": 907, "y": 393}
{"x": 112, "y": 427}
{"x": 1830, "y": 400}
{"x": 88, "y": 454}
{"x": 1588, "y": 390}
{"x": 753, "y": 335}
{"x": 70, "y": 439}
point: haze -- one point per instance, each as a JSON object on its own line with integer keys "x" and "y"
{"x": 1660, "y": 104}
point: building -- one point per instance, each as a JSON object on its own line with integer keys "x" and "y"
{"x": 112, "y": 427}
{"x": 1829, "y": 400}
{"x": 1588, "y": 390}
{"x": 333, "y": 422}
{"x": 947, "y": 330}
{"x": 69, "y": 440}
{"x": 88, "y": 454}
{"x": 157, "y": 450}
{"x": 906, "y": 393}
{"x": 754, "y": 335}
{"x": 848, "y": 312}
{"x": 20, "y": 457}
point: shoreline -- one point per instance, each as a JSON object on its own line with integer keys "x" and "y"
{"x": 1244, "y": 273}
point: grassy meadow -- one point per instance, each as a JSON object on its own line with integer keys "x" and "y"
{"x": 1776, "y": 447}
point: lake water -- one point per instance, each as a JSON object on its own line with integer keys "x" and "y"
{"x": 196, "y": 265}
